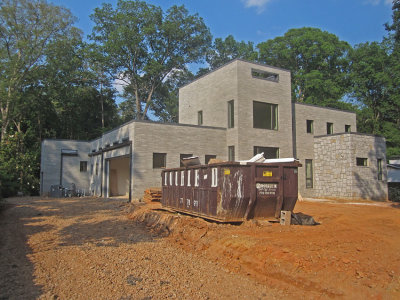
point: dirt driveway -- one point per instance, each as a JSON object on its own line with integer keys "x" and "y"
{"x": 92, "y": 248}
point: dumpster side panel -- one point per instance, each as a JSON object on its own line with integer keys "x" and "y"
{"x": 290, "y": 189}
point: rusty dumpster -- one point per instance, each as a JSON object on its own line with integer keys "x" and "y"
{"x": 231, "y": 191}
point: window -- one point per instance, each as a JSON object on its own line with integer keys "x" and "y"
{"x": 310, "y": 126}
{"x": 265, "y": 115}
{"x": 269, "y": 152}
{"x": 208, "y": 157}
{"x": 231, "y": 153}
{"x": 159, "y": 160}
{"x": 362, "y": 162}
{"x": 97, "y": 168}
{"x": 182, "y": 156}
{"x": 83, "y": 166}
{"x": 200, "y": 117}
{"x": 347, "y": 128}
{"x": 329, "y": 128}
{"x": 231, "y": 114}
{"x": 380, "y": 170}
{"x": 309, "y": 174}
{"x": 264, "y": 75}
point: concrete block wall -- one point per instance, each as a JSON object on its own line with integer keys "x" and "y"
{"x": 50, "y": 166}
{"x": 336, "y": 172}
{"x": 305, "y": 141}
{"x": 173, "y": 140}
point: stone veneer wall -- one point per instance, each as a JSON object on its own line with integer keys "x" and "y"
{"x": 336, "y": 174}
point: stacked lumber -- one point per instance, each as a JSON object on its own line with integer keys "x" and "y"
{"x": 152, "y": 194}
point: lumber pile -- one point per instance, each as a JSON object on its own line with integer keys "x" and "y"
{"x": 152, "y": 194}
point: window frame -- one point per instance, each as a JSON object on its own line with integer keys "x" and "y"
{"x": 264, "y": 75}
{"x": 231, "y": 114}
{"x": 380, "y": 169}
{"x": 164, "y": 160}
{"x": 309, "y": 177}
{"x": 361, "y": 161}
{"x": 258, "y": 115}
{"x": 329, "y": 128}
{"x": 208, "y": 157}
{"x": 83, "y": 166}
{"x": 310, "y": 126}
{"x": 260, "y": 149}
{"x": 200, "y": 118}
{"x": 347, "y": 128}
{"x": 231, "y": 153}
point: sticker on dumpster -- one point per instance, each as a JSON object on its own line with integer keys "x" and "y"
{"x": 227, "y": 171}
{"x": 267, "y": 173}
{"x": 264, "y": 189}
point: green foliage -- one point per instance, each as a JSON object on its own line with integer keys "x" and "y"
{"x": 141, "y": 45}
{"x": 317, "y": 60}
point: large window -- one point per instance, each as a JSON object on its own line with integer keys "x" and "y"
{"x": 362, "y": 161}
{"x": 231, "y": 153}
{"x": 182, "y": 156}
{"x": 231, "y": 114}
{"x": 200, "y": 117}
{"x": 83, "y": 166}
{"x": 265, "y": 115}
{"x": 309, "y": 174}
{"x": 329, "y": 128}
{"x": 159, "y": 160}
{"x": 269, "y": 152}
{"x": 310, "y": 126}
{"x": 380, "y": 169}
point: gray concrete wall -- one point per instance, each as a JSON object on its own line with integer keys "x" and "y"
{"x": 337, "y": 174}
{"x": 51, "y": 164}
{"x": 305, "y": 141}
{"x": 173, "y": 140}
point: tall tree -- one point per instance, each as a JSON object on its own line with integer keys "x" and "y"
{"x": 27, "y": 27}
{"x": 142, "y": 45}
{"x": 317, "y": 60}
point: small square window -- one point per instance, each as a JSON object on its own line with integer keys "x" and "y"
{"x": 347, "y": 128}
{"x": 83, "y": 166}
{"x": 159, "y": 160}
{"x": 362, "y": 161}
{"x": 380, "y": 169}
{"x": 97, "y": 168}
{"x": 310, "y": 126}
{"x": 208, "y": 157}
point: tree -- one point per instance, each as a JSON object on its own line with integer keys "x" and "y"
{"x": 27, "y": 27}
{"x": 142, "y": 45}
{"x": 318, "y": 63}
{"x": 223, "y": 51}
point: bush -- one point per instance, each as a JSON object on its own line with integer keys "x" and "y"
{"x": 394, "y": 191}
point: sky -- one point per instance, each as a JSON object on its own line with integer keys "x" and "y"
{"x": 354, "y": 21}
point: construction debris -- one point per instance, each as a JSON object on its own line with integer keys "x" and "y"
{"x": 152, "y": 194}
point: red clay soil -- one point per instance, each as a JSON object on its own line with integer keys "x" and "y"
{"x": 88, "y": 248}
{"x": 353, "y": 253}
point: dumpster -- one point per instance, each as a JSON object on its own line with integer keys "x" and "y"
{"x": 232, "y": 191}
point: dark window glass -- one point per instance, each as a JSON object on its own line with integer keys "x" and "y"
{"x": 159, "y": 160}
{"x": 329, "y": 128}
{"x": 208, "y": 157}
{"x": 269, "y": 152}
{"x": 347, "y": 128}
{"x": 380, "y": 170}
{"x": 362, "y": 162}
{"x": 182, "y": 156}
{"x": 265, "y": 115}
{"x": 264, "y": 75}
{"x": 83, "y": 166}
{"x": 231, "y": 153}
{"x": 310, "y": 126}
{"x": 200, "y": 117}
{"x": 309, "y": 174}
{"x": 97, "y": 168}
{"x": 231, "y": 114}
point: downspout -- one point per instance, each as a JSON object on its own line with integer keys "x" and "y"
{"x": 130, "y": 172}
{"x": 61, "y": 168}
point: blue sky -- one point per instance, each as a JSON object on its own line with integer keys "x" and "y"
{"x": 354, "y": 21}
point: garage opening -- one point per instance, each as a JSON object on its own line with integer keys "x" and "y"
{"x": 119, "y": 177}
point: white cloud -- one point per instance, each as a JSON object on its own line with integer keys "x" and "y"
{"x": 258, "y": 4}
{"x": 377, "y": 2}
